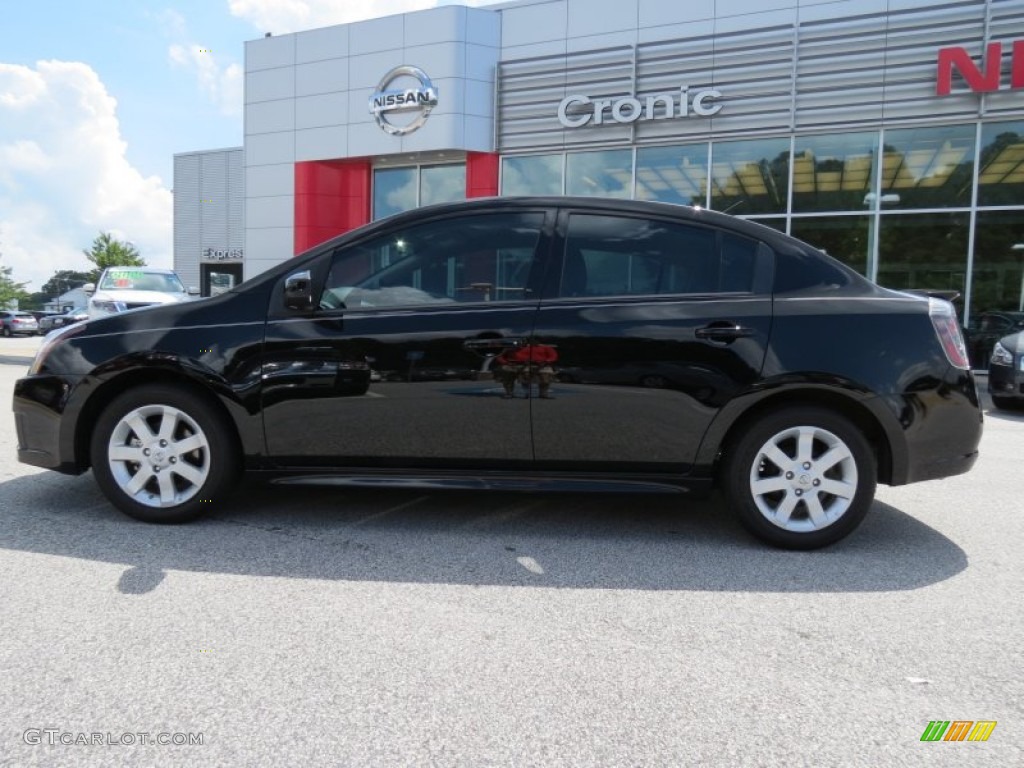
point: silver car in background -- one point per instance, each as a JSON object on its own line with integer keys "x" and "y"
{"x": 122, "y": 288}
{"x": 14, "y": 322}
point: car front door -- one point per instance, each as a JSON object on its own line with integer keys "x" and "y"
{"x": 393, "y": 366}
{"x": 652, "y": 325}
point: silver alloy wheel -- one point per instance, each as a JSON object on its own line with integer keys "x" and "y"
{"x": 158, "y": 456}
{"x": 803, "y": 479}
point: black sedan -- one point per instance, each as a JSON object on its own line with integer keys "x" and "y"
{"x": 51, "y": 321}
{"x": 1006, "y": 372}
{"x": 785, "y": 378}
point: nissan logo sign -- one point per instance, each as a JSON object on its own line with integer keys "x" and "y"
{"x": 419, "y": 99}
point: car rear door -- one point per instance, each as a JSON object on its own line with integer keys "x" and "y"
{"x": 655, "y": 324}
{"x": 393, "y": 368}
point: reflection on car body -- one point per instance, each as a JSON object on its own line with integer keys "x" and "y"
{"x": 523, "y": 342}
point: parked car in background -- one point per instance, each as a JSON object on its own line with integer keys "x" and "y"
{"x": 983, "y": 334}
{"x": 1006, "y": 372}
{"x": 15, "y": 322}
{"x": 122, "y": 288}
{"x": 785, "y": 378}
{"x": 74, "y": 315}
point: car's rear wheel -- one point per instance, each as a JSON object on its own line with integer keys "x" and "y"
{"x": 163, "y": 455}
{"x": 800, "y": 478}
{"x": 7, "y": 332}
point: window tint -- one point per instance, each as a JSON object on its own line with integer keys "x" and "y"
{"x": 487, "y": 257}
{"x": 615, "y": 256}
{"x": 807, "y": 271}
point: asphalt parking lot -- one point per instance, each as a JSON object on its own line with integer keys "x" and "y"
{"x": 398, "y": 627}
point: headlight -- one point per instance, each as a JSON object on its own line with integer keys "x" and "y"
{"x": 51, "y": 340}
{"x": 110, "y": 307}
{"x": 1001, "y": 355}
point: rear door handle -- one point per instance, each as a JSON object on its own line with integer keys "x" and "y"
{"x": 723, "y": 331}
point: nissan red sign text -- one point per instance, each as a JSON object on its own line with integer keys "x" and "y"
{"x": 980, "y": 80}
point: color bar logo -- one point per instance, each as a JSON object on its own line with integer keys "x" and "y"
{"x": 958, "y": 730}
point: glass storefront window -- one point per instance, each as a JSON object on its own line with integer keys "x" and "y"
{"x": 834, "y": 173}
{"x": 533, "y": 175}
{"x": 673, "y": 174}
{"x": 607, "y": 174}
{"x": 924, "y": 251}
{"x": 394, "y": 191}
{"x": 928, "y": 167}
{"x": 402, "y": 189}
{"x": 998, "y": 280}
{"x": 844, "y": 238}
{"x": 442, "y": 184}
{"x": 1001, "y": 168}
{"x": 749, "y": 177}
{"x": 775, "y": 222}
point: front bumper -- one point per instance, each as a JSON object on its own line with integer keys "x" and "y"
{"x": 1006, "y": 380}
{"x": 45, "y": 428}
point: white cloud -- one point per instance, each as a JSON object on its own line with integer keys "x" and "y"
{"x": 221, "y": 82}
{"x": 64, "y": 175}
{"x": 282, "y": 16}
{"x": 219, "y": 77}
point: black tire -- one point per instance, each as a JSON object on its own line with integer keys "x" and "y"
{"x": 801, "y": 513}
{"x": 1005, "y": 403}
{"x": 195, "y": 479}
{"x": 7, "y": 332}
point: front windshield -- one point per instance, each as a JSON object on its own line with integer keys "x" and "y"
{"x": 137, "y": 280}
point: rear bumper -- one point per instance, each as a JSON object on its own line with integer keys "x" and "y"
{"x": 941, "y": 429}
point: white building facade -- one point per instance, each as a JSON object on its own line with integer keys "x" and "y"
{"x": 888, "y": 132}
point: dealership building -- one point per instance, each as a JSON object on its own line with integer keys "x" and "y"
{"x": 890, "y": 133}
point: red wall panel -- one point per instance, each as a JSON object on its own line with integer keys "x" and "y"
{"x": 331, "y": 197}
{"x": 482, "y": 174}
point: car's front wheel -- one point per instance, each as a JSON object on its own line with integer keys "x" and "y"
{"x": 800, "y": 478}
{"x": 162, "y": 454}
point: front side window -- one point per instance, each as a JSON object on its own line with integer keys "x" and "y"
{"x": 619, "y": 256}
{"x": 478, "y": 258}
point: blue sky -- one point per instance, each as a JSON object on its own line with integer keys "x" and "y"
{"x": 97, "y": 96}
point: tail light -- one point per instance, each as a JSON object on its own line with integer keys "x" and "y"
{"x": 947, "y": 328}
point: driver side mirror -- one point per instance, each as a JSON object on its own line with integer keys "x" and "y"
{"x": 193, "y": 291}
{"x": 89, "y": 288}
{"x": 298, "y": 290}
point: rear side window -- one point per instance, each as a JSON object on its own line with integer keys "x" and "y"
{"x": 814, "y": 271}
{"x": 624, "y": 256}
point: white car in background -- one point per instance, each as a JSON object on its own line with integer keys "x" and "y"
{"x": 122, "y": 288}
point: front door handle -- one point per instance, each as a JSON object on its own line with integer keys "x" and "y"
{"x": 493, "y": 345}
{"x": 723, "y": 331}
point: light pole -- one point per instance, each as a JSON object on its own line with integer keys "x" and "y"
{"x": 1019, "y": 247}
{"x": 874, "y": 204}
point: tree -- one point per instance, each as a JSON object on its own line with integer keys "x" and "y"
{"x": 9, "y": 289}
{"x": 107, "y": 251}
{"x": 64, "y": 280}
